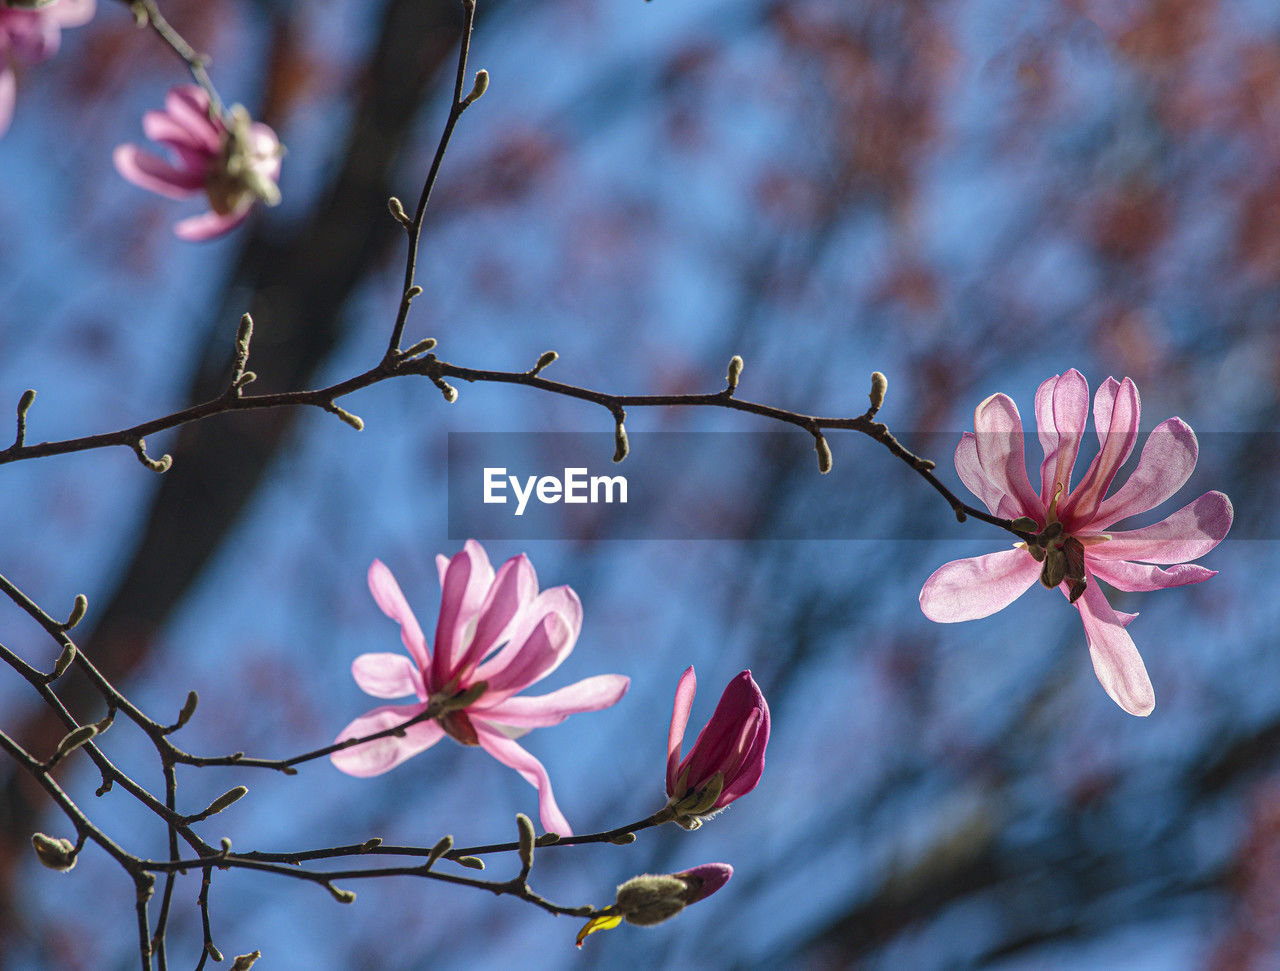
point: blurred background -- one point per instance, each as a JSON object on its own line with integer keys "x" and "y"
{"x": 968, "y": 195}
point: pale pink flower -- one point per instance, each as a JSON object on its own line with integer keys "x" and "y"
{"x": 234, "y": 161}
{"x": 32, "y": 36}
{"x": 1081, "y": 548}
{"x": 480, "y": 612}
{"x": 727, "y": 759}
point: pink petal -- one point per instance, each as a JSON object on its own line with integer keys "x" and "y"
{"x": 188, "y": 105}
{"x": 1116, "y": 412}
{"x": 514, "y": 587}
{"x": 1062, "y": 412}
{"x": 558, "y": 600}
{"x": 209, "y": 225}
{"x": 1116, "y": 660}
{"x": 1140, "y": 577}
{"x": 1189, "y": 533}
{"x": 512, "y": 755}
{"x": 465, "y": 584}
{"x": 72, "y": 13}
{"x": 33, "y": 36}
{"x": 1167, "y": 461}
{"x": 977, "y": 586}
{"x": 709, "y": 878}
{"x": 736, "y": 733}
{"x": 376, "y": 757}
{"x": 538, "y": 711}
{"x": 685, "y": 689}
{"x": 162, "y": 127}
{"x": 390, "y": 600}
{"x": 975, "y": 480}
{"x": 1001, "y": 452}
{"x": 156, "y": 175}
{"x": 387, "y": 676}
{"x": 549, "y": 644}
{"x": 8, "y": 96}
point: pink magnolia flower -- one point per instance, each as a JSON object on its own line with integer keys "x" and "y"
{"x": 1075, "y": 546}
{"x": 727, "y": 759}
{"x": 32, "y": 36}
{"x": 652, "y": 898}
{"x": 471, "y": 676}
{"x": 234, "y": 161}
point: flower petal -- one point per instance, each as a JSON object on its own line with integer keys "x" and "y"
{"x": 514, "y": 586}
{"x": 1062, "y": 412}
{"x": 1140, "y": 577}
{"x": 1116, "y": 660}
{"x": 1189, "y": 533}
{"x": 188, "y": 105}
{"x": 376, "y": 757}
{"x": 390, "y": 600}
{"x": 510, "y": 754}
{"x": 686, "y": 687}
{"x": 155, "y": 174}
{"x": 1167, "y": 461}
{"x": 977, "y": 586}
{"x": 209, "y": 225}
{"x": 739, "y": 727}
{"x": 8, "y": 96}
{"x": 1117, "y": 409}
{"x": 561, "y": 601}
{"x": 388, "y": 676}
{"x": 549, "y": 644}
{"x": 537, "y": 711}
{"x": 464, "y": 586}
{"x": 1001, "y": 451}
{"x": 975, "y": 480}
{"x": 73, "y": 13}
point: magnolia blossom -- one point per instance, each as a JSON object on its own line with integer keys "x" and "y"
{"x": 495, "y": 636}
{"x": 1074, "y": 544}
{"x": 234, "y": 161}
{"x": 32, "y": 36}
{"x": 727, "y": 759}
{"x": 652, "y": 898}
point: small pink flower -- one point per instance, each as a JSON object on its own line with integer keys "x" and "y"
{"x": 32, "y": 36}
{"x": 727, "y": 760}
{"x": 235, "y": 161}
{"x": 652, "y": 898}
{"x": 480, "y": 611}
{"x": 1075, "y": 546}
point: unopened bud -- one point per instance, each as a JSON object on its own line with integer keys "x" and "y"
{"x": 735, "y": 372}
{"x": 341, "y": 896}
{"x": 396, "y": 208}
{"x": 188, "y": 709}
{"x": 824, "y": 453}
{"x": 64, "y": 660}
{"x": 77, "y": 611}
{"x": 650, "y": 899}
{"x": 213, "y": 951}
{"x": 470, "y": 862}
{"x": 443, "y": 846}
{"x": 73, "y": 740}
{"x": 547, "y": 357}
{"x": 621, "y": 447}
{"x": 56, "y": 854}
{"x": 244, "y": 962}
{"x": 622, "y": 839}
{"x": 525, "y": 827}
{"x": 222, "y": 802}
{"x": 478, "y": 88}
{"x": 879, "y": 385}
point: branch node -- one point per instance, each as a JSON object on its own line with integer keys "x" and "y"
{"x": 161, "y": 464}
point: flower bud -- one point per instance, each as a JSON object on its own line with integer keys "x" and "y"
{"x": 56, "y": 854}
{"x": 652, "y": 898}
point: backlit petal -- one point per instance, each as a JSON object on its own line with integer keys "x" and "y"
{"x": 1189, "y": 533}
{"x": 1117, "y": 409}
{"x": 154, "y": 174}
{"x": 1167, "y": 461}
{"x": 686, "y": 687}
{"x": 977, "y": 586}
{"x": 1140, "y": 577}
{"x": 1062, "y": 412}
{"x": 1001, "y": 451}
{"x": 510, "y": 754}
{"x": 537, "y": 711}
{"x": 376, "y": 757}
{"x": 391, "y": 601}
{"x": 387, "y": 676}
{"x": 1116, "y": 660}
